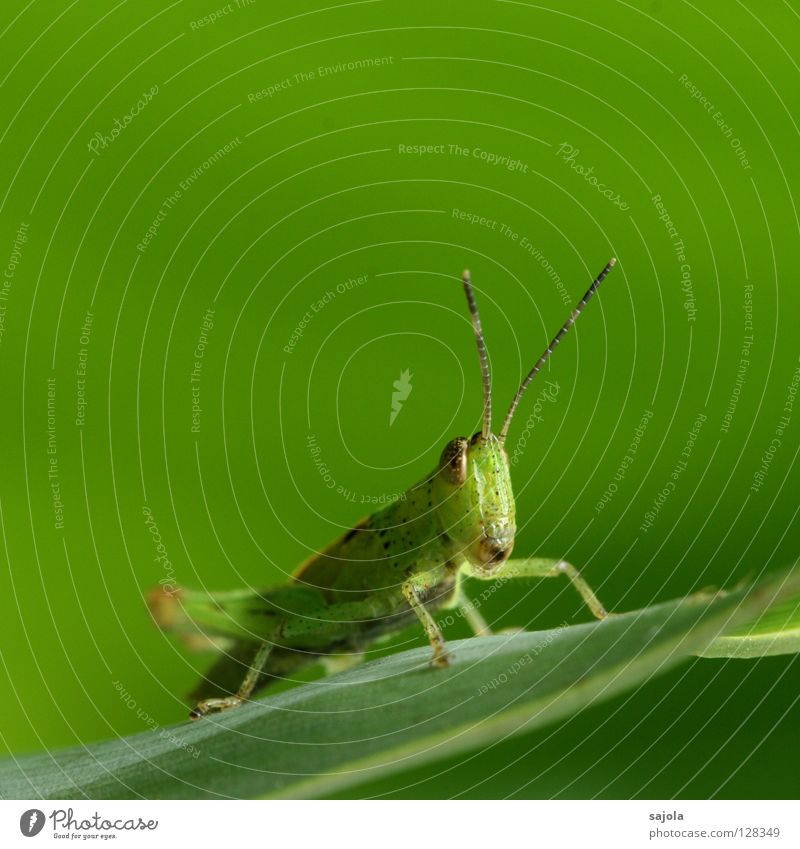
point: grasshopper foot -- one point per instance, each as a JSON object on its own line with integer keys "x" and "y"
{"x": 441, "y": 659}
{"x": 208, "y": 706}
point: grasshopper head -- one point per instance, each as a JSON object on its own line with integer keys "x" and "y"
{"x": 472, "y": 487}
{"x": 474, "y": 501}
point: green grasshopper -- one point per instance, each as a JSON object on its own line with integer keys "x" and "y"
{"x": 408, "y": 560}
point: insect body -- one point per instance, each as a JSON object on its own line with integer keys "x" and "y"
{"x": 402, "y": 563}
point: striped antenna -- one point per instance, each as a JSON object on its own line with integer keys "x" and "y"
{"x": 487, "y": 378}
{"x": 551, "y": 347}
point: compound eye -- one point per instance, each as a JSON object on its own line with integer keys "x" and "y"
{"x": 454, "y": 461}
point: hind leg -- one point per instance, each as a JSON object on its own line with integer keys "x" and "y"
{"x": 311, "y": 636}
{"x": 206, "y": 706}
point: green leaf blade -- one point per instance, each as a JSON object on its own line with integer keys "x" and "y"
{"x": 776, "y": 631}
{"x": 395, "y": 712}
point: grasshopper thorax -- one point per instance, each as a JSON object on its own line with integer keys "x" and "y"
{"x": 474, "y": 502}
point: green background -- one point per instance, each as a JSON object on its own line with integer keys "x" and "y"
{"x": 319, "y": 190}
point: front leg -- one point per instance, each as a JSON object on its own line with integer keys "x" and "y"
{"x": 539, "y": 567}
{"x": 411, "y": 591}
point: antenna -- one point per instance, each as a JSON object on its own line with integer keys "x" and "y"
{"x": 487, "y": 378}
{"x": 551, "y": 347}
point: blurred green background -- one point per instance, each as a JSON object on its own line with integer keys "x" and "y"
{"x": 159, "y": 162}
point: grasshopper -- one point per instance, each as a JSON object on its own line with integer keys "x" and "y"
{"x": 406, "y": 561}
